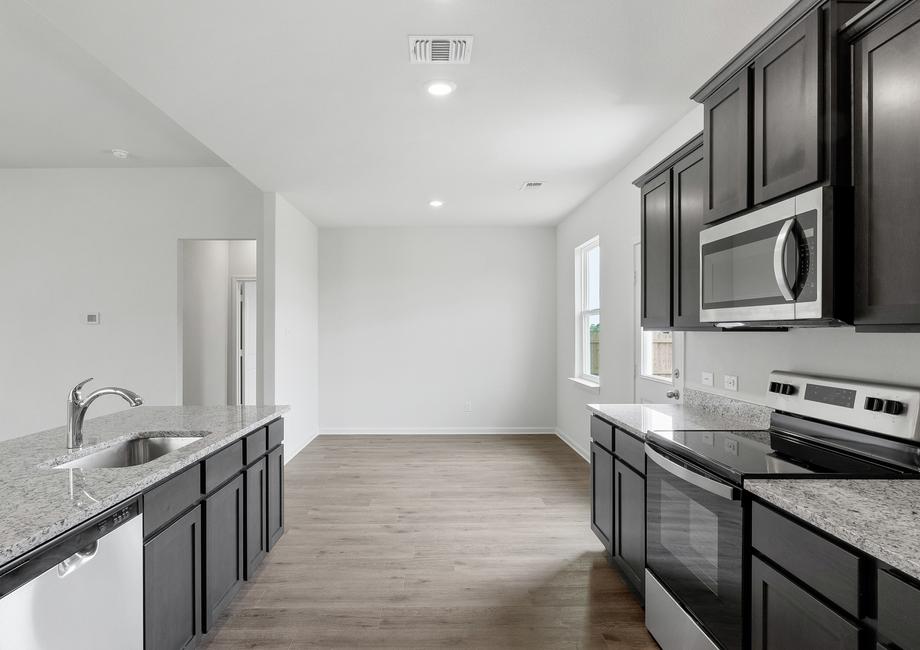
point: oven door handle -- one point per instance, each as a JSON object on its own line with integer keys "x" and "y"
{"x": 779, "y": 266}
{"x": 700, "y": 481}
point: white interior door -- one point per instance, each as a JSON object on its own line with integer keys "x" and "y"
{"x": 659, "y": 359}
{"x": 247, "y": 357}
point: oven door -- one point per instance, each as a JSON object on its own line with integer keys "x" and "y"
{"x": 694, "y": 543}
{"x": 749, "y": 266}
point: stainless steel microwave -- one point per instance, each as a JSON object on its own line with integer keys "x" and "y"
{"x": 771, "y": 266}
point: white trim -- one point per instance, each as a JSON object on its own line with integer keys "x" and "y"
{"x": 288, "y": 459}
{"x": 582, "y": 314}
{"x": 583, "y": 452}
{"x": 593, "y": 386}
{"x": 447, "y": 431}
{"x": 667, "y": 382}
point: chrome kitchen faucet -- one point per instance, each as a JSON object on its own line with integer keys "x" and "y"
{"x": 77, "y": 405}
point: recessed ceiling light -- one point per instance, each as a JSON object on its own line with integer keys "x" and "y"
{"x": 120, "y": 153}
{"x": 440, "y": 88}
{"x": 436, "y": 203}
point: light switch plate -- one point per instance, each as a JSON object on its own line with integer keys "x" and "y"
{"x": 730, "y": 382}
{"x": 706, "y": 378}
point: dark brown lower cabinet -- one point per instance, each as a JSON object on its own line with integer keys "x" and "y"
{"x": 223, "y": 548}
{"x": 275, "y": 510}
{"x": 629, "y": 530}
{"x": 602, "y": 495}
{"x": 256, "y": 542}
{"x": 172, "y": 585}
{"x": 784, "y": 615}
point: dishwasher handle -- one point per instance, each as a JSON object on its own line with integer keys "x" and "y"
{"x": 78, "y": 559}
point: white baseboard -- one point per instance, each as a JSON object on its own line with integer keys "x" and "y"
{"x": 447, "y": 431}
{"x": 577, "y": 448}
{"x": 293, "y": 454}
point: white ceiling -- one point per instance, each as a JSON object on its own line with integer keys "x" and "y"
{"x": 62, "y": 108}
{"x": 317, "y": 100}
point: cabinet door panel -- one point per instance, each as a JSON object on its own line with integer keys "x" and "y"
{"x": 887, "y": 171}
{"x": 172, "y": 585}
{"x": 223, "y": 530}
{"x": 726, "y": 148}
{"x": 689, "y": 189}
{"x": 786, "y": 616}
{"x": 256, "y": 543}
{"x": 656, "y": 252}
{"x": 602, "y": 495}
{"x": 629, "y": 532}
{"x": 787, "y": 112}
{"x": 275, "y": 508}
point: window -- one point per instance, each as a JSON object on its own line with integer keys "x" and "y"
{"x": 588, "y": 311}
{"x": 657, "y": 357}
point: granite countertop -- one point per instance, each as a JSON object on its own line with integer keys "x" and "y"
{"x": 40, "y": 502}
{"x": 642, "y": 418}
{"x": 879, "y": 517}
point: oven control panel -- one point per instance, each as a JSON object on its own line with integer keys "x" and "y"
{"x": 882, "y": 408}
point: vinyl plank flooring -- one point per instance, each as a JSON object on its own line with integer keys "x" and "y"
{"x": 435, "y": 542}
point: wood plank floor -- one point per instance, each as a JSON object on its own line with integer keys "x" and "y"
{"x": 433, "y": 542}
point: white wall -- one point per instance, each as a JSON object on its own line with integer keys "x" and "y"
{"x": 892, "y": 358}
{"x": 415, "y": 322}
{"x": 289, "y": 290}
{"x": 86, "y": 240}
{"x": 612, "y": 213}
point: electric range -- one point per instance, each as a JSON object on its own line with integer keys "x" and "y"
{"x": 695, "y": 511}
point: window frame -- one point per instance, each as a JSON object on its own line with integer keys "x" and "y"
{"x": 645, "y": 353}
{"x": 583, "y": 315}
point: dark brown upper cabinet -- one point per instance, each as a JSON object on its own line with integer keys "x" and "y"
{"x": 886, "y": 85}
{"x": 673, "y": 195}
{"x": 787, "y": 112}
{"x": 689, "y": 179}
{"x": 776, "y": 117}
{"x": 727, "y": 148}
{"x": 656, "y": 252}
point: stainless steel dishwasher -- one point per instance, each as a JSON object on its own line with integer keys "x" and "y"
{"x": 84, "y": 592}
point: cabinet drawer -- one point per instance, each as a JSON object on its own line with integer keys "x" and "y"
{"x": 898, "y": 606}
{"x": 275, "y": 433}
{"x": 255, "y": 445}
{"x": 630, "y": 450}
{"x": 602, "y": 433}
{"x": 168, "y": 500}
{"x": 221, "y": 467}
{"x": 829, "y": 569}
{"x": 784, "y": 616}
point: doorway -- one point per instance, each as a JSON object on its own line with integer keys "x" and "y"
{"x": 659, "y": 356}
{"x": 245, "y": 320}
{"x": 218, "y": 322}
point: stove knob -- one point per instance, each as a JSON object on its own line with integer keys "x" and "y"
{"x": 787, "y": 389}
{"x": 874, "y": 404}
{"x": 775, "y": 387}
{"x": 893, "y": 407}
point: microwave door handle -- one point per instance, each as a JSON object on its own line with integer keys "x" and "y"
{"x": 779, "y": 266}
{"x": 700, "y": 481}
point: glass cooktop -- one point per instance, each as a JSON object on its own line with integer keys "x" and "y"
{"x": 739, "y": 455}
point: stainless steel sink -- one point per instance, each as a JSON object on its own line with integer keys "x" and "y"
{"x": 129, "y": 453}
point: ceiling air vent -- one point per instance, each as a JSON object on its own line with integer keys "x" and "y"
{"x": 531, "y": 185}
{"x": 440, "y": 49}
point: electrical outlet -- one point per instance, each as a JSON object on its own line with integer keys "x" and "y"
{"x": 707, "y": 378}
{"x": 731, "y": 446}
{"x": 468, "y": 407}
{"x": 730, "y": 382}
{"x": 93, "y": 318}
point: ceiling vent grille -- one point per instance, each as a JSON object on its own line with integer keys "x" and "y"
{"x": 531, "y": 185}
{"x": 440, "y": 49}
